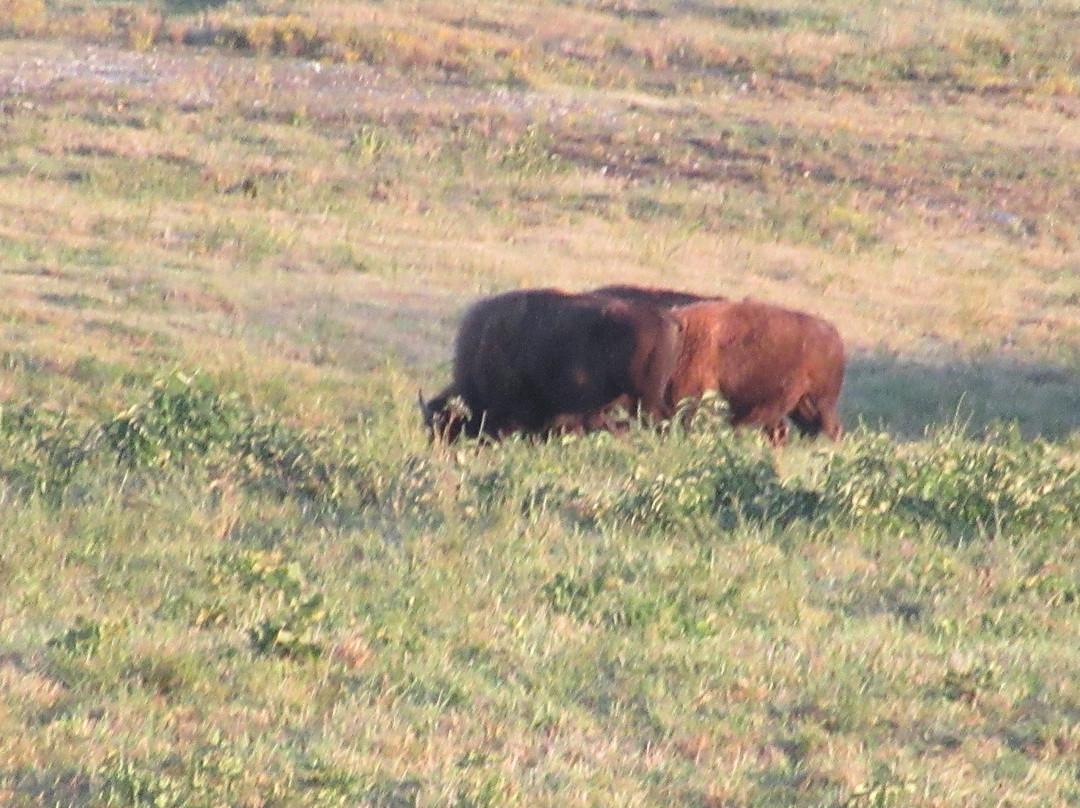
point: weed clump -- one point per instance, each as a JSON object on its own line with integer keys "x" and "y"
{"x": 1000, "y": 482}
{"x": 183, "y": 418}
{"x": 184, "y": 426}
{"x": 965, "y": 486}
{"x": 728, "y": 485}
{"x": 42, "y": 450}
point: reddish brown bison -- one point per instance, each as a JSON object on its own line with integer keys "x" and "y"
{"x": 769, "y": 363}
{"x": 540, "y": 360}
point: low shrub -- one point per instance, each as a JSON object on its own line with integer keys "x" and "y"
{"x": 1000, "y": 482}
{"x": 183, "y": 418}
{"x": 186, "y": 426}
{"x": 965, "y": 486}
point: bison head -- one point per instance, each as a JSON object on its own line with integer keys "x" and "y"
{"x": 445, "y": 416}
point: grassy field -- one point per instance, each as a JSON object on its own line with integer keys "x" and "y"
{"x": 236, "y": 238}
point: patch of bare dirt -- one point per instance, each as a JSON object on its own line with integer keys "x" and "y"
{"x": 207, "y": 78}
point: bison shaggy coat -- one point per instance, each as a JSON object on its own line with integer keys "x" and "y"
{"x": 651, "y": 295}
{"x": 769, "y": 363}
{"x": 540, "y": 360}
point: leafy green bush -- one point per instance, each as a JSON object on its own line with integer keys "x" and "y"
{"x": 314, "y": 466}
{"x": 414, "y": 492}
{"x": 289, "y": 634}
{"x": 963, "y": 485}
{"x": 725, "y": 483}
{"x": 510, "y": 489}
{"x": 124, "y": 781}
{"x": 1001, "y": 482}
{"x": 184, "y": 425}
{"x": 183, "y": 418}
{"x": 291, "y": 631}
{"x": 83, "y": 637}
{"x": 636, "y": 595}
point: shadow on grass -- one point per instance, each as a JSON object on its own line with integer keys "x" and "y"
{"x": 192, "y": 6}
{"x": 51, "y": 785}
{"x": 904, "y": 397}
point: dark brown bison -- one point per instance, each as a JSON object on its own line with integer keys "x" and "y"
{"x": 541, "y": 360}
{"x": 769, "y": 363}
{"x": 651, "y": 295}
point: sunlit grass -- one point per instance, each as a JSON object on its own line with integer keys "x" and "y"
{"x": 236, "y": 239}
{"x": 497, "y": 622}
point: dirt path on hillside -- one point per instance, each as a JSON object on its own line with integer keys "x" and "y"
{"x": 198, "y": 79}
{"x": 596, "y": 128}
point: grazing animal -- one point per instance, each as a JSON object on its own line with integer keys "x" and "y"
{"x": 769, "y": 363}
{"x": 658, "y": 296}
{"x": 651, "y": 295}
{"x": 540, "y": 360}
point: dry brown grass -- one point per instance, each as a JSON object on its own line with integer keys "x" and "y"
{"x": 172, "y": 203}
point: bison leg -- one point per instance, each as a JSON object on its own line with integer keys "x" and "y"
{"x": 770, "y": 417}
{"x": 806, "y": 416}
{"x": 830, "y": 423}
{"x": 777, "y": 433}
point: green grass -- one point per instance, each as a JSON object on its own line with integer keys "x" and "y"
{"x": 235, "y": 239}
{"x": 508, "y": 626}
